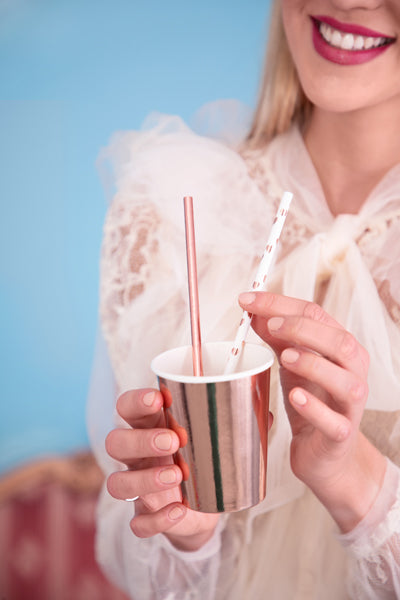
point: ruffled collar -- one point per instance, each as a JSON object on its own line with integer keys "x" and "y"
{"x": 295, "y": 170}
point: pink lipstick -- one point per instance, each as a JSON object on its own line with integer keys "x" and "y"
{"x": 347, "y": 43}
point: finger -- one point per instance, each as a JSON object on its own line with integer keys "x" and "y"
{"x": 129, "y": 484}
{"x": 147, "y": 525}
{"x": 156, "y": 501}
{"x": 334, "y": 426}
{"x": 264, "y": 305}
{"x": 141, "y": 408}
{"x": 346, "y": 388}
{"x": 336, "y": 344}
{"x": 126, "y": 445}
{"x": 268, "y": 305}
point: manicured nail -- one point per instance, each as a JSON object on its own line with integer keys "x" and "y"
{"x": 148, "y": 398}
{"x": 247, "y": 298}
{"x": 175, "y": 513}
{"x": 289, "y": 355}
{"x": 168, "y": 476}
{"x": 163, "y": 441}
{"x": 299, "y": 398}
{"x": 275, "y": 323}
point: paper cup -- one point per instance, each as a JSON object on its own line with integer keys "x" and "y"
{"x": 222, "y": 421}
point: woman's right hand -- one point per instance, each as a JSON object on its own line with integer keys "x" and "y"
{"x": 146, "y": 448}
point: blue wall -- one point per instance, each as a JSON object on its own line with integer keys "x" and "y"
{"x": 71, "y": 73}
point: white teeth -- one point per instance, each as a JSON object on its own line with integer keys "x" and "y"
{"x": 348, "y": 41}
{"x": 326, "y": 32}
{"x": 336, "y": 38}
{"x": 359, "y": 43}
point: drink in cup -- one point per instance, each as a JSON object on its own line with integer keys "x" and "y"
{"x": 222, "y": 422}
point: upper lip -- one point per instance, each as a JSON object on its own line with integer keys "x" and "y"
{"x": 350, "y": 27}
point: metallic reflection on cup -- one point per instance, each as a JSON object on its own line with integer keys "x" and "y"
{"x": 222, "y": 422}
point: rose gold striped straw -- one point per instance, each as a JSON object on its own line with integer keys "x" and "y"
{"x": 193, "y": 286}
{"x": 260, "y": 280}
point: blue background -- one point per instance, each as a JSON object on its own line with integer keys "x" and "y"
{"x": 71, "y": 73}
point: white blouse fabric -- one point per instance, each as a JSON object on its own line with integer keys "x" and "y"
{"x": 286, "y": 548}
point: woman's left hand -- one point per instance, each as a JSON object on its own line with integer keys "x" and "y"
{"x": 324, "y": 379}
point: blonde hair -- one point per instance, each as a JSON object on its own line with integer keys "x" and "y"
{"x": 281, "y": 98}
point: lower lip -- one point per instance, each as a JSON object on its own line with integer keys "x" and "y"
{"x": 343, "y": 57}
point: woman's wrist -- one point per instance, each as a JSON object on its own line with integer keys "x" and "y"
{"x": 351, "y": 496}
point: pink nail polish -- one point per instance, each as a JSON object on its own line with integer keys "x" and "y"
{"x": 247, "y": 298}
{"x": 275, "y": 323}
{"x": 148, "y": 398}
{"x": 289, "y": 355}
{"x": 299, "y": 398}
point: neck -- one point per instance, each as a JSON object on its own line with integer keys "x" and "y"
{"x": 351, "y": 152}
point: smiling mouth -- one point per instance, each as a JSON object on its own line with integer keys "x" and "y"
{"x": 350, "y": 41}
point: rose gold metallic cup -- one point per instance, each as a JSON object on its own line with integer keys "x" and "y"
{"x": 222, "y": 422}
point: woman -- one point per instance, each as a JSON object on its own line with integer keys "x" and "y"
{"x": 325, "y": 129}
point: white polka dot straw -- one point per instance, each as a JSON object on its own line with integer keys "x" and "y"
{"x": 260, "y": 280}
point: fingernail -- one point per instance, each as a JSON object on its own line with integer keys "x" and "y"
{"x": 247, "y": 298}
{"x": 175, "y": 513}
{"x": 299, "y": 398}
{"x": 275, "y": 323}
{"x": 289, "y": 355}
{"x": 148, "y": 398}
{"x": 163, "y": 441}
{"x": 168, "y": 476}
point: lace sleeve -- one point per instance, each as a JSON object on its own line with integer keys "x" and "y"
{"x": 129, "y": 248}
{"x": 140, "y": 296}
{"x": 374, "y": 545}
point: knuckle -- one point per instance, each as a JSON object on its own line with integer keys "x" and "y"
{"x": 359, "y": 391}
{"x": 314, "y": 311}
{"x": 342, "y": 432}
{"x": 347, "y": 346}
{"x": 314, "y": 363}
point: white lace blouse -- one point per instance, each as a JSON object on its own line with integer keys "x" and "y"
{"x": 287, "y": 547}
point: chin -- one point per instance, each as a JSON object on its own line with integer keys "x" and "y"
{"x": 334, "y": 105}
{"x": 335, "y": 98}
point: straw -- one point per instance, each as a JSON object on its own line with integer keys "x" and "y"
{"x": 193, "y": 287}
{"x": 260, "y": 280}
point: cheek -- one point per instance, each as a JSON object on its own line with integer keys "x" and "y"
{"x": 294, "y": 13}
{"x": 298, "y": 30}
{"x": 291, "y": 12}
